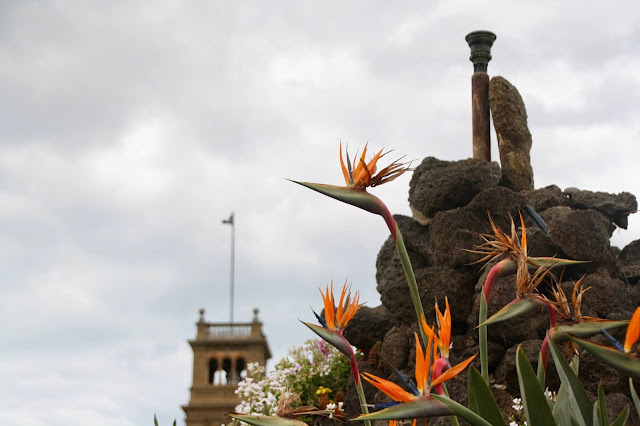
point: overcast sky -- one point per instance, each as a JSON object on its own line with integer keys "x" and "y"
{"x": 129, "y": 130}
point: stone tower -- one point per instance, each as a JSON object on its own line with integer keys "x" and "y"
{"x": 221, "y": 352}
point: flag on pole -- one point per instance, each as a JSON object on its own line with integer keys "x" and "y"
{"x": 228, "y": 221}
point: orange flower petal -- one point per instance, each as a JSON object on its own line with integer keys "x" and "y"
{"x": 394, "y": 391}
{"x": 329, "y": 312}
{"x": 421, "y": 366}
{"x": 633, "y": 331}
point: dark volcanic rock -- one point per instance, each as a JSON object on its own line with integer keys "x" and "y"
{"x": 396, "y": 346}
{"x": 416, "y": 239}
{"x": 434, "y": 283}
{"x": 368, "y": 326}
{"x": 616, "y": 207}
{"x": 630, "y": 261}
{"x": 608, "y": 295}
{"x": 502, "y": 203}
{"x": 452, "y": 233}
{"x": 443, "y": 185}
{"x": 544, "y": 198}
{"x": 506, "y": 371}
{"x": 514, "y": 139}
{"x": 581, "y": 234}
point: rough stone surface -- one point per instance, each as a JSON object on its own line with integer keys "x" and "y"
{"x": 438, "y": 185}
{"x": 514, "y": 139}
{"x": 630, "y": 262}
{"x": 544, "y": 198}
{"x": 434, "y": 283}
{"x": 453, "y": 232}
{"x": 608, "y": 295}
{"x": 616, "y": 207}
{"x": 507, "y": 368}
{"x": 581, "y": 234}
{"x": 396, "y": 346}
{"x": 368, "y": 326}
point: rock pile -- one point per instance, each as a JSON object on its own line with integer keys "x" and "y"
{"x": 450, "y": 202}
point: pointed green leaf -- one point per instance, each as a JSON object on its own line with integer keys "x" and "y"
{"x": 575, "y": 422}
{"x": 266, "y": 420}
{"x": 155, "y": 420}
{"x": 462, "y": 411}
{"x": 578, "y": 398}
{"x": 626, "y": 363}
{"x": 536, "y": 407}
{"x": 518, "y": 307}
{"x": 481, "y": 400}
{"x": 540, "y": 374}
{"x": 584, "y": 329}
{"x": 552, "y": 262}
{"x": 332, "y": 337}
{"x": 595, "y": 409}
{"x": 634, "y": 397}
{"x": 420, "y": 407}
{"x": 600, "y": 408}
{"x": 355, "y": 196}
{"x": 562, "y": 408}
{"x": 621, "y": 420}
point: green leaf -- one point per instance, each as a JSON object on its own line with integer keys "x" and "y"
{"x": 519, "y": 306}
{"x": 621, "y": 420}
{"x": 600, "y": 408}
{"x": 536, "y": 407}
{"x": 540, "y": 373}
{"x": 266, "y": 420}
{"x": 420, "y": 407}
{"x": 583, "y": 329}
{"x": 634, "y": 397}
{"x": 462, "y": 411}
{"x": 155, "y": 420}
{"x": 354, "y": 196}
{"x": 562, "y": 408}
{"x": 626, "y": 363}
{"x": 578, "y": 398}
{"x": 552, "y": 262}
{"x": 481, "y": 400}
{"x": 332, "y": 337}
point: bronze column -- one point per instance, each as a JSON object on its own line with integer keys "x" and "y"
{"x": 480, "y": 43}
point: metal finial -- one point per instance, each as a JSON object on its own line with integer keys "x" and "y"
{"x": 480, "y": 43}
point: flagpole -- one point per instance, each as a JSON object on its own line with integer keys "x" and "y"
{"x": 233, "y": 251}
{"x": 231, "y": 221}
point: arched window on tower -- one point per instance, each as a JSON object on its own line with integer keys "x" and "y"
{"x": 226, "y": 367}
{"x": 213, "y": 367}
{"x": 241, "y": 370}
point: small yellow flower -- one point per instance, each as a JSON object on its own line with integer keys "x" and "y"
{"x": 323, "y": 391}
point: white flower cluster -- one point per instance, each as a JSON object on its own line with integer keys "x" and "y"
{"x": 260, "y": 391}
{"x": 332, "y": 408}
{"x": 517, "y": 405}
